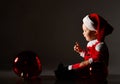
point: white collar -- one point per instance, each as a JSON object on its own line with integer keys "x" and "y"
{"x": 91, "y": 43}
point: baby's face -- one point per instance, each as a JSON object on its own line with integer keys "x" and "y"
{"x": 88, "y": 34}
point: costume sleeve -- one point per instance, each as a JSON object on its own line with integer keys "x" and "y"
{"x": 82, "y": 54}
{"x": 79, "y": 65}
{"x": 74, "y": 66}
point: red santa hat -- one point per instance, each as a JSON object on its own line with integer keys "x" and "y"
{"x": 95, "y": 22}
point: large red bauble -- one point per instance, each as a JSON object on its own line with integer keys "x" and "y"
{"x": 27, "y": 65}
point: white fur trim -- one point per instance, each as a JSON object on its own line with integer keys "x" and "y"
{"x": 91, "y": 43}
{"x": 90, "y": 60}
{"x": 88, "y": 23}
{"x": 70, "y": 67}
{"x": 82, "y": 54}
{"x": 98, "y": 46}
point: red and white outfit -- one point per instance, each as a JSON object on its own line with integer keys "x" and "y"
{"x": 96, "y": 50}
{"x": 96, "y": 55}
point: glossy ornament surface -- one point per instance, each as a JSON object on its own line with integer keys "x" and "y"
{"x": 27, "y": 65}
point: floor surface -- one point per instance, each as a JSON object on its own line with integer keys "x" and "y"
{"x": 11, "y": 78}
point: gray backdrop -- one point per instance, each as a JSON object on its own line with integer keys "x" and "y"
{"x": 51, "y": 27}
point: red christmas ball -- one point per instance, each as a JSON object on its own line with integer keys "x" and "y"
{"x": 27, "y": 65}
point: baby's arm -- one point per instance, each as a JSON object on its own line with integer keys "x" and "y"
{"x": 79, "y": 65}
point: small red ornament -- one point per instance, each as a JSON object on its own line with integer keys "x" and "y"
{"x": 27, "y": 65}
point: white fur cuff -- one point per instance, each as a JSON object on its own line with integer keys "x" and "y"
{"x": 70, "y": 67}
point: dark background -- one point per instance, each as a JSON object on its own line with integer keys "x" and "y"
{"x": 51, "y": 27}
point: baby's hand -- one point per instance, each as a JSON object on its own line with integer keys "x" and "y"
{"x": 77, "y": 48}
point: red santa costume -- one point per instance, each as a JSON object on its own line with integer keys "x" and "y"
{"x": 96, "y": 51}
{"x": 96, "y": 55}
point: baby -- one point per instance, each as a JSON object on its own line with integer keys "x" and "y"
{"x": 96, "y": 55}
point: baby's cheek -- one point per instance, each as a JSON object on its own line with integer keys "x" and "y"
{"x": 87, "y": 36}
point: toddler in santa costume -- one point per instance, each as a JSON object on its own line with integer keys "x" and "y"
{"x": 96, "y": 55}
